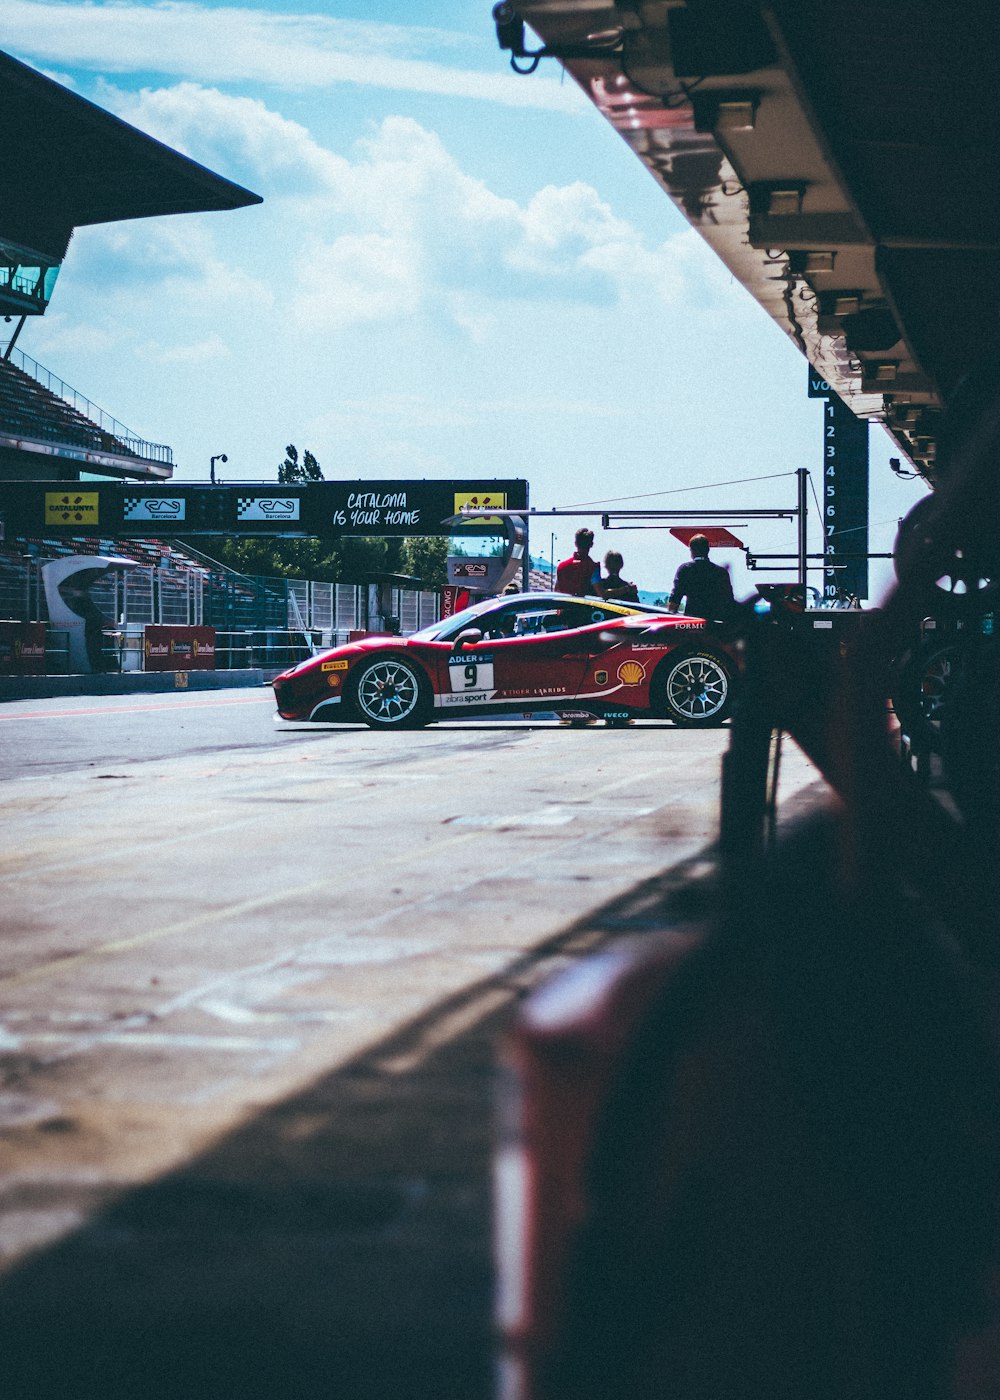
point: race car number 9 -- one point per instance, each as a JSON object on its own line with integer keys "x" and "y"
{"x": 470, "y": 676}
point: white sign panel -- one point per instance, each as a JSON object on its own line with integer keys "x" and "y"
{"x": 267, "y": 507}
{"x": 471, "y": 681}
{"x": 159, "y": 509}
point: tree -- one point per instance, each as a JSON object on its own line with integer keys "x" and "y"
{"x": 291, "y": 469}
{"x": 425, "y": 557}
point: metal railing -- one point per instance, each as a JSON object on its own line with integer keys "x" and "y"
{"x": 180, "y": 593}
{"x": 134, "y": 445}
{"x": 271, "y": 650}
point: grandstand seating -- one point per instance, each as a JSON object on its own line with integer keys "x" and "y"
{"x": 29, "y": 410}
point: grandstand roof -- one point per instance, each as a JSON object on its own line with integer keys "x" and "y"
{"x": 65, "y": 162}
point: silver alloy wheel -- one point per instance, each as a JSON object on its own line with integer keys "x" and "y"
{"x": 697, "y": 690}
{"x": 388, "y": 692}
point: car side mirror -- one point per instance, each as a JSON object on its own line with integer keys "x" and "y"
{"x": 469, "y": 636}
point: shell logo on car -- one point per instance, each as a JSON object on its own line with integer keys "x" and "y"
{"x": 631, "y": 673}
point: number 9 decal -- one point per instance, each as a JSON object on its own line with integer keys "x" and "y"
{"x": 471, "y": 678}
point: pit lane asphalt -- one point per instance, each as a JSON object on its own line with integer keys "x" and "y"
{"x": 250, "y": 990}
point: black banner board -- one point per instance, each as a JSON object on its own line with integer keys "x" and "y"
{"x": 844, "y": 494}
{"x": 322, "y": 509}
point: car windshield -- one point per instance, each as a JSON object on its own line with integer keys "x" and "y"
{"x": 480, "y": 615}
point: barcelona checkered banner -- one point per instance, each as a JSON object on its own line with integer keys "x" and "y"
{"x": 156, "y": 509}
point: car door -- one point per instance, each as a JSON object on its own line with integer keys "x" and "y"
{"x": 619, "y": 662}
{"x": 544, "y": 661}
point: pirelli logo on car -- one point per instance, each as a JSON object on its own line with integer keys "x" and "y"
{"x": 334, "y": 665}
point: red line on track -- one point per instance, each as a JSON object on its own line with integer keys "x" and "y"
{"x": 132, "y": 709}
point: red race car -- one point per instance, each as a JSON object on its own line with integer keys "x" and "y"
{"x": 520, "y": 654}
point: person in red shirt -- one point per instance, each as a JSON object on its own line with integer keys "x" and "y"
{"x": 579, "y": 574}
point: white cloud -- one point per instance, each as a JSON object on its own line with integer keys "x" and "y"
{"x": 393, "y": 228}
{"x": 291, "y": 51}
{"x": 206, "y": 351}
{"x": 240, "y": 136}
{"x": 358, "y": 278}
{"x": 575, "y": 213}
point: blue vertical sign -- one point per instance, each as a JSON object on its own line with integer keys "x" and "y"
{"x": 844, "y": 495}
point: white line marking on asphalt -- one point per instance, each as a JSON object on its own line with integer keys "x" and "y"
{"x": 160, "y": 1040}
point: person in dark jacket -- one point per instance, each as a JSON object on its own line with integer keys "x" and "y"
{"x": 613, "y": 585}
{"x": 706, "y": 587}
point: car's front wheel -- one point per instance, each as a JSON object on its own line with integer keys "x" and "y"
{"x": 694, "y": 690}
{"x": 391, "y": 693}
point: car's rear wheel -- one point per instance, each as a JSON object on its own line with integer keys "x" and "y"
{"x": 922, "y": 691}
{"x": 391, "y": 693}
{"x": 695, "y": 690}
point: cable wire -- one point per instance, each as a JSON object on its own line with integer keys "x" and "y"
{"x": 676, "y": 491}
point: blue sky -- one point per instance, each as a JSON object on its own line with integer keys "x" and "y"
{"x": 456, "y": 271}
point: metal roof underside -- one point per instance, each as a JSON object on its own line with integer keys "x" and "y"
{"x": 65, "y": 162}
{"x": 840, "y": 158}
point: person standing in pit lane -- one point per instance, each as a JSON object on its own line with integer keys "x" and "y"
{"x": 579, "y": 574}
{"x": 613, "y": 585}
{"x": 707, "y": 587}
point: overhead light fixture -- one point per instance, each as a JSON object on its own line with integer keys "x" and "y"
{"x": 845, "y": 303}
{"x": 511, "y": 36}
{"x": 785, "y": 199}
{"x": 715, "y": 112}
{"x": 873, "y": 329}
{"x": 736, "y": 116}
{"x": 820, "y": 262}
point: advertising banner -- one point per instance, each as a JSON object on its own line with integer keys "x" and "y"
{"x": 22, "y": 648}
{"x": 453, "y": 600}
{"x": 80, "y": 509}
{"x": 158, "y": 510}
{"x": 321, "y": 509}
{"x": 178, "y": 648}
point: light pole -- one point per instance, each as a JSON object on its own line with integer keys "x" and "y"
{"x": 219, "y": 457}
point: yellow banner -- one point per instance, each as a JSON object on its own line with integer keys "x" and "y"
{"x": 482, "y": 500}
{"x": 72, "y": 508}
